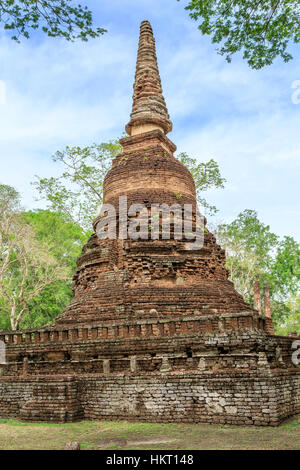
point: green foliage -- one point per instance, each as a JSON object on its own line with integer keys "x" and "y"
{"x": 261, "y": 29}
{"x": 253, "y": 253}
{"x": 9, "y": 198}
{"x": 26, "y": 268}
{"x": 4, "y": 315}
{"x": 77, "y": 192}
{"x": 253, "y": 237}
{"x": 289, "y": 321}
{"x": 38, "y": 253}
{"x": 56, "y": 18}
{"x": 44, "y": 308}
{"x": 206, "y": 176}
{"x": 285, "y": 270}
{"x": 64, "y": 240}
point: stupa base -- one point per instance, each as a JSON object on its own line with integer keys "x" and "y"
{"x": 243, "y": 377}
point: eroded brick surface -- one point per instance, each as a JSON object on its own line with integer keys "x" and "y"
{"x": 154, "y": 332}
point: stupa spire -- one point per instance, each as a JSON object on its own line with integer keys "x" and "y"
{"x": 149, "y": 110}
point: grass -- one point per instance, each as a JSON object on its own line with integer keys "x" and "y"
{"x": 15, "y": 435}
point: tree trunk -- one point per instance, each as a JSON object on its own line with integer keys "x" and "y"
{"x": 13, "y": 321}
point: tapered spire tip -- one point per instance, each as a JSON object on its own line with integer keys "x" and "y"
{"x": 149, "y": 110}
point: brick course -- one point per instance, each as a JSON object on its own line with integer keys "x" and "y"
{"x": 154, "y": 332}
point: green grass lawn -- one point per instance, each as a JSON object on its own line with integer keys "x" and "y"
{"x": 127, "y": 436}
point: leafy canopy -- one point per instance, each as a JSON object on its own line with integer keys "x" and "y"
{"x": 65, "y": 240}
{"x": 77, "y": 192}
{"x": 9, "y": 199}
{"x": 38, "y": 254}
{"x": 253, "y": 253}
{"x": 56, "y": 18}
{"x": 250, "y": 235}
{"x": 285, "y": 269}
{"x": 261, "y": 29}
{"x": 291, "y": 321}
{"x": 27, "y": 265}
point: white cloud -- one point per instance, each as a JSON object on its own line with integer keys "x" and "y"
{"x": 60, "y": 93}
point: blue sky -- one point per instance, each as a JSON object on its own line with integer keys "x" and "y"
{"x": 59, "y": 93}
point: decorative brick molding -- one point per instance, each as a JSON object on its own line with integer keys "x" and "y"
{"x": 154, "y": 332}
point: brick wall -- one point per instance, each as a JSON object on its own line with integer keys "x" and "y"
{"x": 228, "y": 398}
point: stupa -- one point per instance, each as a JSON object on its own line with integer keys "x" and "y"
{"x": 155, "y": 331}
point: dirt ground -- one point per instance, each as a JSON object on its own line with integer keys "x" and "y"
{"x": 98, "y": 435}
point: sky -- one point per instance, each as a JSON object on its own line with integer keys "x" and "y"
{"x": 55, "y": 93}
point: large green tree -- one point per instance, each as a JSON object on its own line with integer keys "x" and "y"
{"x": 285, "y": 269}
{"x": 56, "y": 18}
{"x": 27, "y": 265}
{"x": 254, "y": 253}
{"x": 77, "y": 192}
{"x": 261, "y": 29}
{"x": 291, "y": 319}
{"x": 64, "y": 240}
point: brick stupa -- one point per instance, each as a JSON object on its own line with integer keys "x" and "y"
{"x": 155, "y": 332}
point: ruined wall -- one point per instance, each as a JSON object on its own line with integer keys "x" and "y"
{"x": 40, "y": 398}
{"x": 182, "y": 343}
{"x": 226, "y": 398}
{"x": 154, "y": 332}
{"x": 242, "y": 376}
{"x": 122, "y": 278}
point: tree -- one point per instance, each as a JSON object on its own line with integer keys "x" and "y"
{"x": 291, "y": 320}
{"x": 26, "y": 266}
{"x": 285, "y": 270}
{"x": 47, "y": 305}
{"x": 65, "y": 240}
{"x": 9, "y": 204}
{"x": 77, "y": 192}
{"x": 261, "y": 29}
{"x": 9, "y": 198}
{"x": 249, "y": 246}
{"x": 31, "y": 268}
{"x": 56, "y": 18}
{"x": 248, "y": 235}
{"x": 254, "y": 253}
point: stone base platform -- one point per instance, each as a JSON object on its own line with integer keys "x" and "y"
{"x": 240, "y": 377}
{"x": 261, "y": 398}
